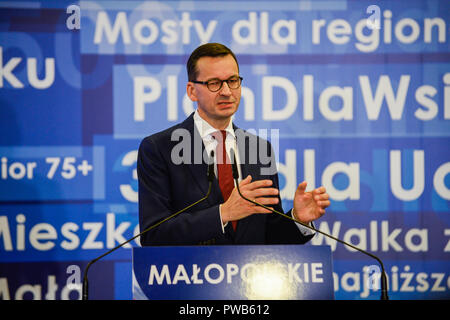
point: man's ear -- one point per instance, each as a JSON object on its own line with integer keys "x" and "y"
{"x": 191, "y": 92}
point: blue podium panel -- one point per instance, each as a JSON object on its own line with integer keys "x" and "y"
{"x": 233, "y": 272}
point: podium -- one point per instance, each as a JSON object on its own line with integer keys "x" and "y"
{"x": 247, "y": 272}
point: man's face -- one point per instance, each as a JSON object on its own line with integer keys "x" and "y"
{"x": 215, "y": 107}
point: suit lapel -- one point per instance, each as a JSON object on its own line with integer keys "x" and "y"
{"x": 247, "y": 168}
{"x": 246, "y": 159}
{"x": 198, "y": 167}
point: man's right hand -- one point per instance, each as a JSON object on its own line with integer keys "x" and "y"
{"x": 236, "y": 208}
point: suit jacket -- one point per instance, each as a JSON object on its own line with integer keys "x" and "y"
{"x": 166, "y": 186}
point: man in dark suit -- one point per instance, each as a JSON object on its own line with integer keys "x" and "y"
{"x": 172, "y": 170}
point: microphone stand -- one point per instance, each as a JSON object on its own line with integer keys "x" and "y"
{"x": 85, "y": 294}
{"x": 384, "y": 292}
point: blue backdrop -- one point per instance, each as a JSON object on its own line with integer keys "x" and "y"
{"x": 355, "y": 96}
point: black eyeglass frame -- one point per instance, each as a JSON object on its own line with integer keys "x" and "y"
{"x": 221, "y": 83}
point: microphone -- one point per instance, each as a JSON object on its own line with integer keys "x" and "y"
{"x": 211, "y": 176}
{"x": 384, "y": 292}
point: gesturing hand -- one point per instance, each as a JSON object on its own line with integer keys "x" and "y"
{"x": 236, "y": 208}
{"x": 309, "y": 206}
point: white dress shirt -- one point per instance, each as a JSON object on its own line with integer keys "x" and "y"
{"x": 206, "y": 130}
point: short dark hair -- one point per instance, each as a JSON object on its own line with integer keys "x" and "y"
{"x": 206, "y": 50}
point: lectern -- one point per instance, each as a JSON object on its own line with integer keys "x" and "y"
{"x": 259, "y": 272}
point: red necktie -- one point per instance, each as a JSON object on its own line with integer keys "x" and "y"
{"x": 224, "y": 170}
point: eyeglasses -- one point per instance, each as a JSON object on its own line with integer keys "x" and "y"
{"x": 215, "y": 85}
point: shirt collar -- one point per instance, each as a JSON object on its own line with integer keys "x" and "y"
{"x": 205, "y": 129}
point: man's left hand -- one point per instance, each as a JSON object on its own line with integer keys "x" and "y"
{"x": 311, "y": 205}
